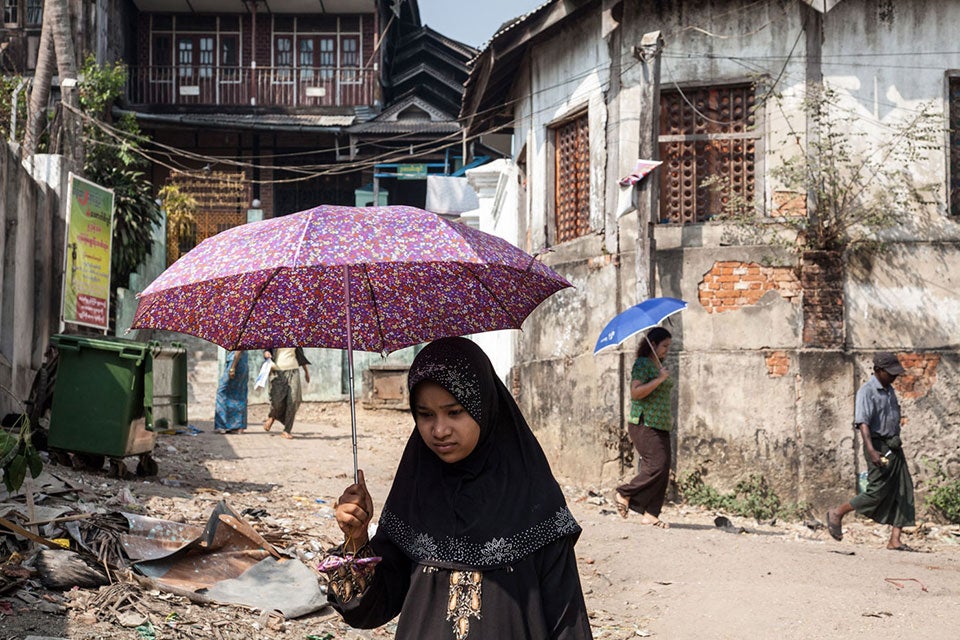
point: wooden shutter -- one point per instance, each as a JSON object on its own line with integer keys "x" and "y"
{"x": 572, "y": 179}
{"x": 705, "y": 132}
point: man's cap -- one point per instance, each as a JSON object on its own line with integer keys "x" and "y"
{"x": 888, "y": 362}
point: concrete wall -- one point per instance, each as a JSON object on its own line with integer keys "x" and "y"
{"x": 497, "y": 185}
{"x": 31, "y": 270}
{"x": 569, "y": 401}
{"x": 753, "y": 395}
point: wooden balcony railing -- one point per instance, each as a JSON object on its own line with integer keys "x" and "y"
{"x": 245, "y": 86}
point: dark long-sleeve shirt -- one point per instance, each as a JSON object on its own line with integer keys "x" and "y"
{"x": 538, "y": 598}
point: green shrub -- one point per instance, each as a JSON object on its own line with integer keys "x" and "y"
{"x": 695, "y": 491}
{"x": 752, "y": 497}
{"x": 18, "y": 455}
{"x": 944, "y": 497}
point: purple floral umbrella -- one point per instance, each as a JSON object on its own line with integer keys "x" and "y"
{"x": 374, "y": 279}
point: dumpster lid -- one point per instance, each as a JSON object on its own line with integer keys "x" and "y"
{"x": 103, "y": 343}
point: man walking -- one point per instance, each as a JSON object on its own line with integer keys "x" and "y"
{"x": 888, "y": 498}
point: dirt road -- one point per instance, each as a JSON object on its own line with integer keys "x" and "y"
{"x": 692, "y": 581}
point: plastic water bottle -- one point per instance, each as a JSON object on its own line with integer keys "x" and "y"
{"x": 862, "y": 481}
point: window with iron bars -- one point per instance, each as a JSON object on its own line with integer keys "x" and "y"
{"x": 572, "y": 179}
{"x": 34, "y": 13}
{"x": 706, "y": 132}
{"x": 954, "y": 100}
{"x": 11, "y": 12}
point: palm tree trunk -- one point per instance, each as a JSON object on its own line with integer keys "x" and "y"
{"x": 40, "y": 93}
{"x": 56, "y": 43}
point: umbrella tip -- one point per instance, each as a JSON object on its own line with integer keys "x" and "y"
{"x": 542, "y": 250}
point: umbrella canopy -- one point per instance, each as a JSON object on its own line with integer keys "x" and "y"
{"x": 637, "y": 319}
{"x": 374, "y": 278}
{"x": 411, "y": 276}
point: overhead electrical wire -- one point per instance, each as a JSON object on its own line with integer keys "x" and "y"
{"x": 172, "y": 157}
{"x": 312, "y": 171}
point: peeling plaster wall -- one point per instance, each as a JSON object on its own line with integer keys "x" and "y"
{"x": 752, "y": 399}
{"x": 905, "y": 297}
{"x": 910, "y": 45}
{"x": 570, "y": 400}
{"x": 751, "y": 396}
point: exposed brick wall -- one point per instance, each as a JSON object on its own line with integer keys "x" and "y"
{"x": 367, "y": 36}
{"x": 778, "y": 364}
{"x": 732, "y": 285}
{"x": 821, "y": 276}
{"x": 920, "y": 375}
{"x": 143, "y": 39}
{"x": 266, "y": 192}
{"x": 264, "y": 41}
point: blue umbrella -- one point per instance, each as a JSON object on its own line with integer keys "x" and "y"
{"x": 637, "y": 319}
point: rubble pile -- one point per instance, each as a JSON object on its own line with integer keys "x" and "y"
{"x": 80, "y": 552}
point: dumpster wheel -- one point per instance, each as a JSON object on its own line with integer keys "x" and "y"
{"x": 88, "y": 461}
{"x": 147, "y": 466}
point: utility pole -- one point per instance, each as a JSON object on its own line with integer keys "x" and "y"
{"x": 648, "y": 190}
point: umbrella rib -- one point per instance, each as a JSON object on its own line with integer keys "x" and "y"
{"x": 376, "y": 311}
{"x": 506, "y": 311}
{"x": 253, "y": 303}
{"x": 303, "y": 234}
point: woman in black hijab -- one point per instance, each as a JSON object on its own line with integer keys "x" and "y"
{"x": 475, "y": 538}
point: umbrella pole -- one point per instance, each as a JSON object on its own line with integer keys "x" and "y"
{"x": 353, "y": 402}
{"x": 653, "y": 352}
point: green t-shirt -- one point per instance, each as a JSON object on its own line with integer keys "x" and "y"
{"x": 655, "y": 408}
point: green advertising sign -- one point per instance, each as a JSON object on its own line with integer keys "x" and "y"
{"x": 86, "y": 280}
{"x": 412, "y": 172}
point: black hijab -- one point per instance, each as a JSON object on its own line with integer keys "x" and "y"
{"x": 495, "y": 506}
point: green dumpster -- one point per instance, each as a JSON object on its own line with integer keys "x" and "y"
{"x": 98, "y": 397}
{"x": 165, "y": 385}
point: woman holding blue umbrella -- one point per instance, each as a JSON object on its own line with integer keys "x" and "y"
{"x": 650, "y": 424}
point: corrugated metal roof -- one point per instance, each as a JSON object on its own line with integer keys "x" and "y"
{"x": 510, "y": 24}
{"x": 494, "y": 70}
{"x": 406, "y": 126}
{"x": 276, "y": 121}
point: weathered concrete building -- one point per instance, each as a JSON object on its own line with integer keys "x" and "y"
{"x": 775, "y": 343}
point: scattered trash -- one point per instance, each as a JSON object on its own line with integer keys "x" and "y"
{"x": 66, "y": 569}
{"x": 146, "y": 631}
{"x": 898, "y": 582}
{"x": 877, "y": 614}
{"x": 843, "y": 552}
{"x": 723, "y": 522}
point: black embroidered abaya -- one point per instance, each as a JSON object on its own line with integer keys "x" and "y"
{"x": 478, "y": 549}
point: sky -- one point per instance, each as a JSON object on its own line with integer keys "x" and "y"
{"x": 471, "y": 21}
